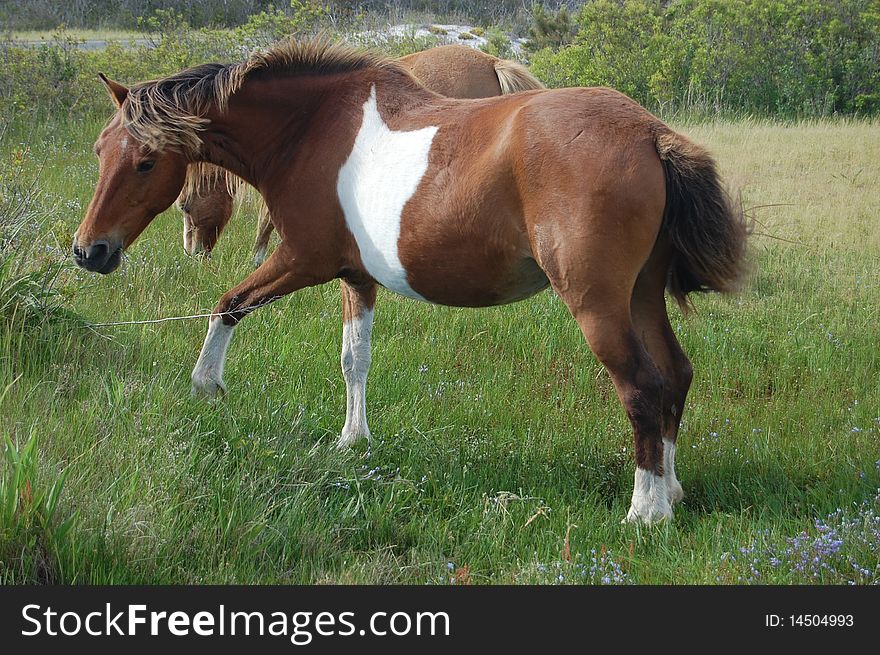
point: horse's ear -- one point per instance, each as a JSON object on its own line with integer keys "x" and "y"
{"x": 117, "y": 92}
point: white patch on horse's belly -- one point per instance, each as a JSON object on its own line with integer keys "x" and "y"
{"x": 380, "y": 175}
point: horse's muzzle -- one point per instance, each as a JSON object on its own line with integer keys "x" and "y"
{"x": 97, "y": 257}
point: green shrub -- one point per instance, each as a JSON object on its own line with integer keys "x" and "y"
{"x": 761, "y": 57}
{"x": 549, "y": 29}
{"x": 498, "y": 44}
{"x": 770, "y": 57}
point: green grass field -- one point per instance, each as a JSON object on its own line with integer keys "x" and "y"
{"x": 500, "y": 451}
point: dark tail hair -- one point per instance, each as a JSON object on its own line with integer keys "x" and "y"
{"x": 708, "y": 231}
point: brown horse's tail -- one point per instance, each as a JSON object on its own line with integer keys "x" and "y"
{"x": 514, "y": 77}
{"x": 708, "y": 231}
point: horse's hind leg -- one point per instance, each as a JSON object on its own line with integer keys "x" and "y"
{"x": 651, "y": 322}
{"x": 600, "y": 303}
{"x": 593, "y": 258}
{"x": 640, "y": 387}
{"x": 358, "y": 301}
{"x": 264, "y": 231}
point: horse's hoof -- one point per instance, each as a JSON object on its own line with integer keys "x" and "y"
{"x": 208, "y": 388}
{"x": 643, "y": 511}
{"x": 350, "y": 436}
{"x": 654, "y": 519}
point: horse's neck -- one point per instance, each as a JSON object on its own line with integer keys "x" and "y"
{"x": 267, "y": 119}
{"x": 399, "y": 93}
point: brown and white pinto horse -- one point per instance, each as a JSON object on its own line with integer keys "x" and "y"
{"x": 374, "y": 179}
{"x": 455, "y": 71}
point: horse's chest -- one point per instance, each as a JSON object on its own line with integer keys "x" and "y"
{"x": 379, "y": 177}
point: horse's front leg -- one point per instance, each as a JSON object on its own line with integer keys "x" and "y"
{"x": 358, "y": 300}
{"x": 284, "y": 272}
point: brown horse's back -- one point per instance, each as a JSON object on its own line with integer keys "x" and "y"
{"x": 455, "y": 71}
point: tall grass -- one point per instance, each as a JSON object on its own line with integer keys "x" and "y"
{"x": 31, "y": 533}
{"x": 27, "y": 281}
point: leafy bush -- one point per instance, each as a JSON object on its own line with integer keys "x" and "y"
{"x": 776, "y": 57}
{"x": 765, "y": 57}
{"x": 498, "y": 44}
{"x": 549, "y": 29}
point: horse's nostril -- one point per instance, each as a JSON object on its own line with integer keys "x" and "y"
{"x": 97, "y": 251}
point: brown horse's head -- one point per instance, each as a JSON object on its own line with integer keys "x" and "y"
{"x": 205, "y": 213}
{"x": 135, "y": 184}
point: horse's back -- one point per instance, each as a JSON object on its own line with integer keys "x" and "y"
{"x": 455, "y": 71}
{"x": 545, "y": 121}
{"x": 607, "y": 118}
{"x": 543, "y": 142}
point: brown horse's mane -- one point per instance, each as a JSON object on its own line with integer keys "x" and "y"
{"x": 169, "y": 113}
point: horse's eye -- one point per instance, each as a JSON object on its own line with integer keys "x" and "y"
{"x": 146, "y": 166}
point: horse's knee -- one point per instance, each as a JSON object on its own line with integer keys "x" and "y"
{"x": 234, "y": 306}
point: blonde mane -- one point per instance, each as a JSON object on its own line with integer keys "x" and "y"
{"x": 170, "y": 113}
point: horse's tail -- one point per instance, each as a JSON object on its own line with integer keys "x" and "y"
{"x": 707, "y": 229}
{"x": 514, "y": 77}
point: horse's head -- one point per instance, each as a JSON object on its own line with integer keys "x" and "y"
{"x": 135, "y": 184}
{"x": 205, "y": 213}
